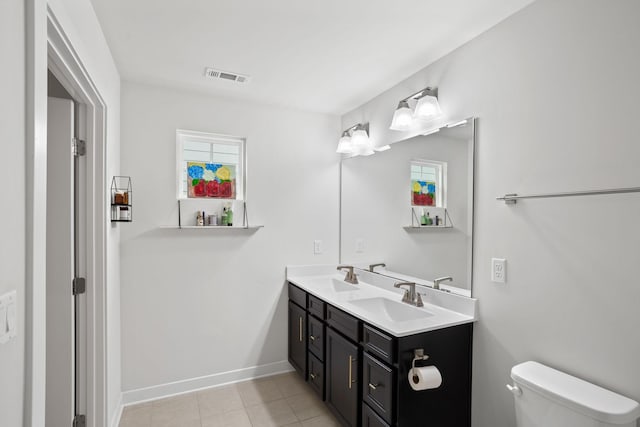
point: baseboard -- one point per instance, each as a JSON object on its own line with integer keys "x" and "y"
{"x": 185, "y": 386}
{"x": 115, "y": 419}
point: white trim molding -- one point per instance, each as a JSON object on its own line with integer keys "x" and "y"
{"x": 215, "y": 380}
{"x": 67, "y": 66}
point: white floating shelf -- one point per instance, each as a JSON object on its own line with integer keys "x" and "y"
{"x": 210, "y": 227}
{"x": 421, "y": 227}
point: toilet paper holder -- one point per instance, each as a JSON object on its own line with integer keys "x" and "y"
{"x": 418, "y": 355}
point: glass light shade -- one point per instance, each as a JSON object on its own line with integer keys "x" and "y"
{"x": 427, "y": 108}
{"x": 345, "y": 145}
{"x": 402, "y": 117}
{"x": 361, "y": 144}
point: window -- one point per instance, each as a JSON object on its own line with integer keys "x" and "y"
{"x": 428, "y": 178}
{"x": 210, "y": 165}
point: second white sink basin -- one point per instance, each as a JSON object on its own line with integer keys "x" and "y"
{"x": 395, "y": 311}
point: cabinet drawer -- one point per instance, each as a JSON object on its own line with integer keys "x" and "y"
{"x": 316, "y": 337}
{"x": 316, "y": 375}
{"x": 370, "y": 418}
{"x": 348, "y": 325}
{"x": 298, "y": 296}
{"x": 377, "y": 387}
{"x": 316, "y": 307}
{"x": 377, "y": 343}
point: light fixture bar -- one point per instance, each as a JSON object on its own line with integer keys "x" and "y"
{"x": 424, "y": 92}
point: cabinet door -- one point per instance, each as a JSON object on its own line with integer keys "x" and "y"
{"x": 341, "y": 374}
{"x": 297, "y": 338}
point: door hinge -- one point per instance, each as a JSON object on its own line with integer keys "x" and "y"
{"x": 79, "y": 285}
{"x": 79, "y": 147}
{"x": 79, "y": 421}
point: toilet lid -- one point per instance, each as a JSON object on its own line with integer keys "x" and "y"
{"x": 589, "y": 399}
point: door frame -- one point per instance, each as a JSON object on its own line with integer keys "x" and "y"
{"x": 58, "y": 55}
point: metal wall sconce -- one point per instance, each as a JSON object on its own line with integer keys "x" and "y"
{"x": 426, "y": 108}
{"x": 355, "y": 140}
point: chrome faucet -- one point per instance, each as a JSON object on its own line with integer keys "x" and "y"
{"x": 351, "y": 276}
{"x": 380, "y": 264}
{"x": 436, "y": 282}
{"x": 410, "y": 295}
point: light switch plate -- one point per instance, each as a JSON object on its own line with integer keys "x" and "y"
{"x": 359, "y": 245}
{"x": 8, "y": 316}
{"x": 498, "y": 270}
{"x": 317, "y": 247}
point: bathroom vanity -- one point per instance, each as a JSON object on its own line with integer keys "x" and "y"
{"x": 355, "y": 345}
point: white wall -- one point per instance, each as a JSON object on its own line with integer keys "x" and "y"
{"x": 556, "y": 91}
{"x": 199, "y": 302}
{"x": 12, "y": 223}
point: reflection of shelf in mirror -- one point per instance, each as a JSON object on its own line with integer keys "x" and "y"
{"x": 422, "y": 227}
{"x": 211, "y": 227}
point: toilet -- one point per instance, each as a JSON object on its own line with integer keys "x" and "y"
{"x": 545, "y": 397}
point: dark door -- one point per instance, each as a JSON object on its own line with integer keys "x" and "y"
{"x": 342, "y": 378}
{"x": 297, "y": 337}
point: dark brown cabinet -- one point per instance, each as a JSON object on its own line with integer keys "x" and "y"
{"x": 342, "y": 378}
{"x": 362, "y": 372}
{"x": 297, "y": 338}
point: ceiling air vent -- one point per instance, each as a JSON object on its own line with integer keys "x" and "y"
{"x": 212, "y": 73}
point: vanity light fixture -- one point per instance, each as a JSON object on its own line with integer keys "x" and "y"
{"x": 345, "y": 146}
{"x": 355, "y": 140}
{"x": 426, "y": 108}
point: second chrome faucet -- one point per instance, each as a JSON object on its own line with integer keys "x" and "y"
{"x": 351, "y": 276}
{"x": 410, "y": 295}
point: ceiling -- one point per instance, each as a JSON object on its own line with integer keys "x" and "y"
{"x": 327, "y": 56}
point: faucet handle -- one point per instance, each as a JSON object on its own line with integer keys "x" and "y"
{"x": 373, "y": 266}
{"x": 436, "y": 282}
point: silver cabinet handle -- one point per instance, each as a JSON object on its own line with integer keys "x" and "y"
{"x": 300, "y": 327}
{"x": 312, "y": 376}
{"x": 312, "y": 338}
{"x": 373, "y": 386}
{"x": 351, "y": 360}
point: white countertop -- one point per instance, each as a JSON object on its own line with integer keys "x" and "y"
{"x": 374, "y": 300}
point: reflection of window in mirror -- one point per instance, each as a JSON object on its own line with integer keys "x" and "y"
{"x": 209, "y": 165}
{"x": 428, "y": 181}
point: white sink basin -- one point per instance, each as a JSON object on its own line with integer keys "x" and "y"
{"x": 395, "y": 311}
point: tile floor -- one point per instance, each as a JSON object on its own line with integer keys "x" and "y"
{"x": 280, "y": 400}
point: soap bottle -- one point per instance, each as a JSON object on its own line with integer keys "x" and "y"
{"x": 224, "y": 218}
{"x": 429, "y": 220}
{"x": 229, "y": 216}
{"x": 199, "y": 219}
{"x": 423, "y": 219}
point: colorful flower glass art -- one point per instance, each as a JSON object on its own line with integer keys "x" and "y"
{"x": 423, "y": 193}
{"x": 211, "y": 180}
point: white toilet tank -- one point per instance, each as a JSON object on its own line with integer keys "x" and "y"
{"x": 546, "y": 397}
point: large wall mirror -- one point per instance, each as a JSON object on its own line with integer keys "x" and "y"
{"x": 411, "y": 207}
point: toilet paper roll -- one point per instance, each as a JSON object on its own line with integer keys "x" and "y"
{"x": 425, "y": 378}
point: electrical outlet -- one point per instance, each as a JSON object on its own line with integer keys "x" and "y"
{"x": 317, "y": 247}
{"x": 359, "y": 245}
{"x": 499, "y": 270}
